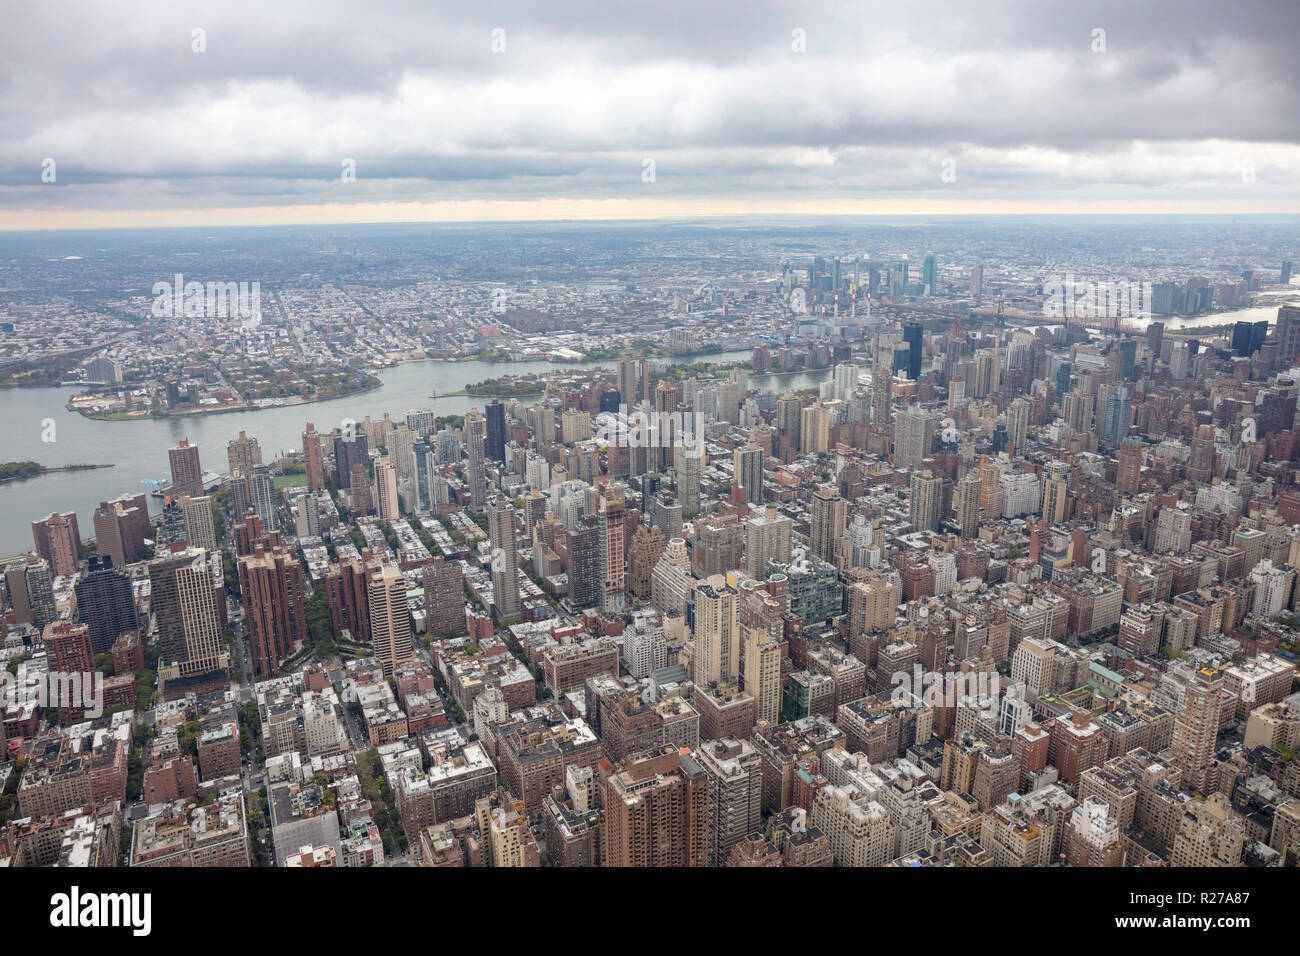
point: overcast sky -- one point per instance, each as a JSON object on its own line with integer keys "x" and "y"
{"x": 941, "y": 106}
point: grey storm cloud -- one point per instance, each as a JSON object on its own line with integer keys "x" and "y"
{"x": 1014, "y": 95}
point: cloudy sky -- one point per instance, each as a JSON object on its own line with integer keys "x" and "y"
{"x": 602, "y": 109}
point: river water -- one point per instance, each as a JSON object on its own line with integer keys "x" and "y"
{"x": 138, "y": 448}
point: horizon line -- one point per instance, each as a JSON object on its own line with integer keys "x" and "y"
{"x": 471, "y": 212}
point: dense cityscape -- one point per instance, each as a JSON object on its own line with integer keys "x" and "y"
{"x": 1008, "y": 579}
{"x": 451, "y": 446}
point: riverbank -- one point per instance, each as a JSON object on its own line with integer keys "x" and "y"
{"x": 11, "y": 471}
{"x": 370, "y": 385}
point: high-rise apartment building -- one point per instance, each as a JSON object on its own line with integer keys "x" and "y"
{"x": 913, "y": 435}
{"x": 183, "y": 597}
{"x": 613, "y": 553}
{"x": 243, "y": 454}
{"x": 444, "y": 597}
{"x": 748, "y": 471}
{"x": 389, "y": 615}
{"x": 275, "y": 603}
{"x": 313, "y": 457}
{"x": 199, "y": 529}
{"x": 717, "y": 632}
{"x": 767, "y": 538}
{"x": 187, "y": 473}
{"x": 657, "y": 812}
{"x": 830, "y": 515}
{"x": 106, "y": 604}
{"x": 966, "y": 505}
{"x": 58, "y": 541}
{"x": 735, "y": 774}
{"x": 505, "y": 567}
{"x": 387, "y": 504}
{"x": 688, "y": 465}
{"x": 925, "y": 501}
{"x": 1196, "y": 729}
{"x": 264, "y": 496}
{"x": 476, "y": 447}
{"x": 494, "y": 442}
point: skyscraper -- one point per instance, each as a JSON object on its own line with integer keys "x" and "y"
{"x": 444, "y": 597}
{"x": 1114, "y": 427}
{"x": 830, "y": 515}
{"x": 717, "y": 632}
{"x": 121, "y": 527}
{"x": 1017, "y": 426}
{"x": 390, "y": 620}
{"x": 1287, "y": 331}
{"x": 275, "y": 601}
{"x": 689, "y": 464}
{"x": 612, "y": 552}
{"x": 748, "y": 471}
{"x": 583, "y": 544}
{"x": 243, "y": 454}
{"x": 187, "y": 473}
{"x": 431, "y": 489}
{"x": 199, "y": 529}
{"x": 735, "y": 772}
{"x": 264, "y": 497}
{"x": 68, "y": 644}
{"x": 913, "y": 335}
{"x": 815, "y": 429}
{"x": 1056, "y": 499}
{"x": 386, "y": 502}
{"x": 767, "y": 538}
{"x": 350, "y": 449}
{"x": 1128, "y": 476}
{"x": 313, "y": 458}
{"x": 657, "y": 812}
{"x": 505, "y": 568}
{"x": 105, "y": 603}
{"x": 58, "y": 541}
{"x": 1200, "y": 463}
{"x": 666, "y": 425}
{"x": 789, "y": 417}
{"x": 1196, "y": 729}
{"x": 966, "y": 505}
{"x": 926, "y": 496}
{"x": 495, "y": 442}
{"x": 476, "y": 473}
{"x": 913, "y": 434}
{"x": 183, "y": 598}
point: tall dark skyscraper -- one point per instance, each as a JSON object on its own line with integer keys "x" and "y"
{"x": 495, "y": 446}
{"x": 912, "y": 333}
{"x": 1128, "y": 357}
{"x": 584, "y": 562}
{"x": 348, "y": 453}
{"x": 105, "y": 604}
{"x": 1155, "y": 337}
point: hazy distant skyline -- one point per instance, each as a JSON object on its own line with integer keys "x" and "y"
{"x": 940, "y": 108}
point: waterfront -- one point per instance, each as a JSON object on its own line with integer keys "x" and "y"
{"x": 138, "y": 447}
